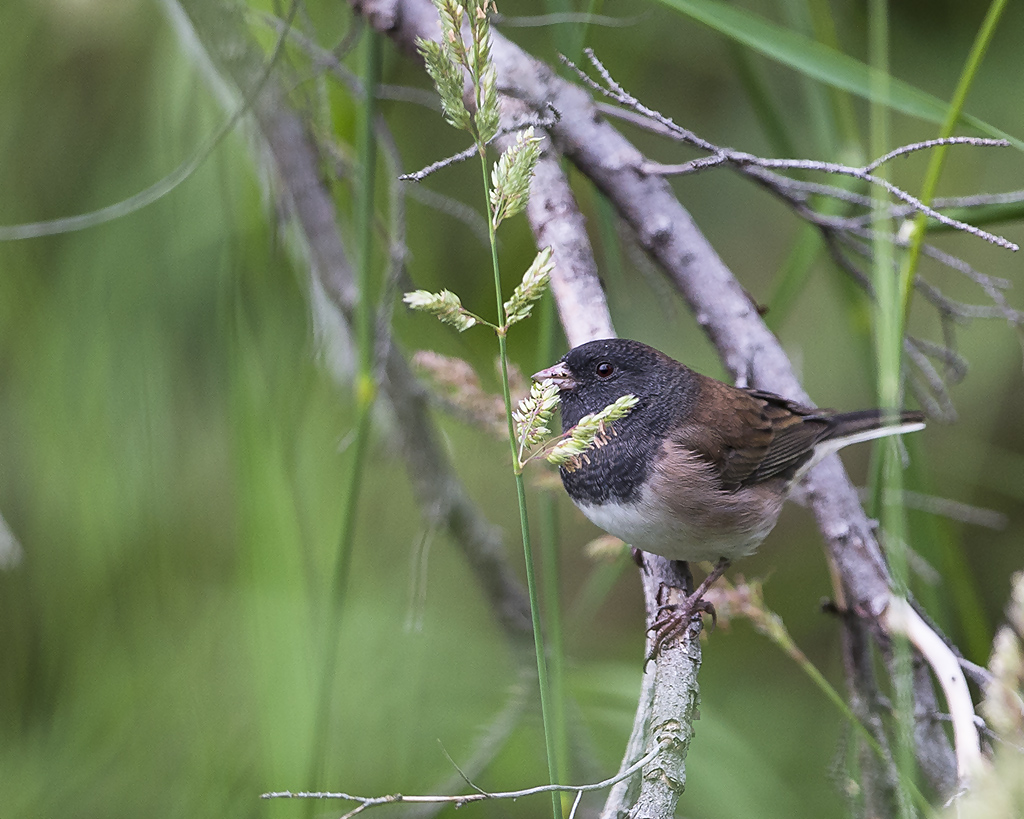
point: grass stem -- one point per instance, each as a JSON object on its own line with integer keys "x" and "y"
{"x": 524, "y": 522}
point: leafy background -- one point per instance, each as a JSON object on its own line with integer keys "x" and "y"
{"x": 174, "y": 433}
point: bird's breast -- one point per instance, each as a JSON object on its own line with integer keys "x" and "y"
{"x": 682, "y": 512}
{"x": 614, "y": 471}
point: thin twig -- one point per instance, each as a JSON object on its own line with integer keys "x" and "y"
{"x": 331, "y": 61}
{"x": 744, "y": 160}
{"x": 433, "y": 167}
{"x": 903, "y": 150}
{"x": 469, "y": 153}
{"x": 544, "y": 20}
{"x": 463, "y": 799}
{"x": 947, "y": 508}
{"x": 784, "y": 186}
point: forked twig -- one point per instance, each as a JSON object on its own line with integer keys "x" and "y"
{"x": 459, "y": 800}
{"x": 743, "y": 160}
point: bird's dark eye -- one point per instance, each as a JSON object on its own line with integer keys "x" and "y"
{"x": 604, "y": 369}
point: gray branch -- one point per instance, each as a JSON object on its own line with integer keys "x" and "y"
{"x": 674, "y": 703}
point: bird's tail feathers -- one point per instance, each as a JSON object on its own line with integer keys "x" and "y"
{"x": 866, "y": 425}
{"x": 863, "y": 425}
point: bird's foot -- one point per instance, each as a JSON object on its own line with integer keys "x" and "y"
{"x": 674, "y": 618}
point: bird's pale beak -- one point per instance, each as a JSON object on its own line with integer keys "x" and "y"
{"x": 559, "y": 373}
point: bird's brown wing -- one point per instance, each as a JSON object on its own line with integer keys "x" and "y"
{"x": 796, "y": 430}
{"x": 751, "y": 435}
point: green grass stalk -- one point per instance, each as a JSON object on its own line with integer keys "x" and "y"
{"x": 550, "y": 586}
{"x": 365, "y": 395}
{"x": 569, "y": 40}
{"x": 759, "y": 93}
{"x": 571, "y": 45}
{"x": 823, "y": 27}
{"x": 938, "y": 154}
{"x": 555, "y": 633}
{"x": 889, "y": 329}
{"x": 967, "y": 606}
{"x": 524, "y": 522}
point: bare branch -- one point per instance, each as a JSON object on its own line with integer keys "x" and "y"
{"x": 676, "y": 694}
{"x": 931, "y": 391}
{"x": 448, "y": 161}
{"x": 544, "y": 20}
{"x": 625, "y": 792}
{"x": 975, "y": 200}
{"x": 935, "y": 143}
{"x": 526, "y": 122}
{"x": 961, "y": 311}
{"x": 744, "y": 160}
{"x": 948, "y": 508}
{"x": 461, "y": 799}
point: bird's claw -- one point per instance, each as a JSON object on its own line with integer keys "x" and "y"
{"x": 674, "y": 619}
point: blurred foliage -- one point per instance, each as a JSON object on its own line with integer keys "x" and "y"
{"x": 173, "y": 438}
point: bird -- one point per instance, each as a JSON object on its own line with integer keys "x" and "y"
{"x": 698, "y": 470}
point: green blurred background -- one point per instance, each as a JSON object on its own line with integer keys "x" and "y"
{"x": 174, "y": 447}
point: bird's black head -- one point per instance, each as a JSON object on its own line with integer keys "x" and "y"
{"x": 596, "y": 374}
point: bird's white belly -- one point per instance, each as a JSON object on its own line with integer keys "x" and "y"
{"x": 650, "y": 525}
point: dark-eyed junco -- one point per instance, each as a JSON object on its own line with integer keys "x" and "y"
{"x": 698, "y": 470}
